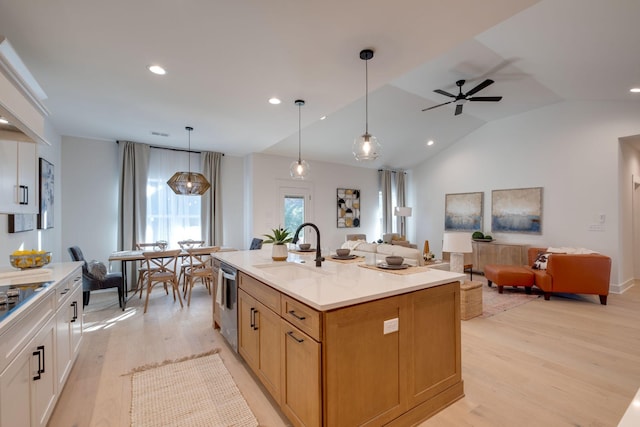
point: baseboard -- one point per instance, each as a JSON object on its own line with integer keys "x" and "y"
{"x": 621, "y": 287}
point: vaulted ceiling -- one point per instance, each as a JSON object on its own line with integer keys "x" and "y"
{"x": 224, "y": 60}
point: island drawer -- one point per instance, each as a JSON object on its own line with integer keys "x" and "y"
{"x": 263, "y": 293}
{"x": 24, "y": 327}
{"x": 301, "y": 316}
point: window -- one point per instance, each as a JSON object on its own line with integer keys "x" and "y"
{"x": 293, "y": 212}
{"x": 171, "y": 217}
{"x": 296, "y": 208}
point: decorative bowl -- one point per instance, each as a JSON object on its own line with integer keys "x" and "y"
{"x": 30, "y": 259}
{"x": 342, "y": 252}
{"x": 305, "y": 246}
{"x": 394, "y": 260}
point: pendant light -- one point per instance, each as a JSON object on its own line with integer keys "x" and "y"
{"x": 366, "y": 146}
{"x": 189, "y": 183}
{"x": 299, "y": 169}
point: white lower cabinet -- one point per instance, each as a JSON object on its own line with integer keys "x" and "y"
{"x": 37, "y": 352}
{"x": 28, "y": 385}
{"x": 68, "y": 328}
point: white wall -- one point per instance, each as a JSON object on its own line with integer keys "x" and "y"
{"x": 232, "y": 176}
{"x": 268, "y": 172}
{"x": 38, "y": 239}
{"x": 90, "y": 197}
{"x": 571, "y": 149}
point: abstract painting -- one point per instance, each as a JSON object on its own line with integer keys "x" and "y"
{"x": 463, "y": 212}
{"x": 348, "y": 208}
{"x": 45, "y": 217}
{"x": 517, "y": 210}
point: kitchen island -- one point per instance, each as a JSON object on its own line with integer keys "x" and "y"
{"x": 344, "y": 345}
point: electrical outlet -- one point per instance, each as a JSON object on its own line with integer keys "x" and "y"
{"x": 390, "y": 326}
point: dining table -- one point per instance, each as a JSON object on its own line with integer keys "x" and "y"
{"x": 137, "y": 255}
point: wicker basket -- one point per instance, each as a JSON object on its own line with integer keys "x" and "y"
{"x": 470, "y": 299}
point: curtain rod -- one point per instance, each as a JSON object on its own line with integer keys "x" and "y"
{"x": 179, "y": 149}
{"x": 382, "y": 170}
{"x": 173, "y": 149}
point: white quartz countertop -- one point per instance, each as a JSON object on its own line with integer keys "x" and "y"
{"x": 334, "y": 285}
{"x": 52, "y": 272}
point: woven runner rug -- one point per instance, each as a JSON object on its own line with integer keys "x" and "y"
{"x": 195, "y": 392}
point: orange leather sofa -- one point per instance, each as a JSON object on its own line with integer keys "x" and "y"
{"x": 572, "y": 273}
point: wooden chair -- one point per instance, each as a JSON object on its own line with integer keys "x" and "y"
{"x": 142, "y": 271}
{"x": 200, "y": 267}
{"x": 184, "y": 263}
{"x": 161, "y": 268}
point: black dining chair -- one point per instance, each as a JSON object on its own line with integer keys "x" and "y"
{"x": 93, "y": 283}
{"x": 255, "y": 244}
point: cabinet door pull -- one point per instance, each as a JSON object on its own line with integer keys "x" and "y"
{"x": 290, "y": 333}
{"x": 253, "y": 320}
{"x": 75, "y": 311}
{"x": 40, "y": 354}
{"x": 24, "y": 196}
{"x": 293, "y": 313}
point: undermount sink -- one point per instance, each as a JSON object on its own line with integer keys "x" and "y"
{"x": 291, "y": 271}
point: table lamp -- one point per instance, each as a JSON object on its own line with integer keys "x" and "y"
{"x": 402, "y": 212}
{"x": 457, "y": 244}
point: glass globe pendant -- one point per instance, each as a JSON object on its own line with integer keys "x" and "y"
{"x": 366, "y": 146}
{"x": 299, "y": 169}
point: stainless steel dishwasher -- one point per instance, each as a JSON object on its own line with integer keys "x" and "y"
{"x": 228, "y": 301}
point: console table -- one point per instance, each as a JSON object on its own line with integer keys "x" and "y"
{"x": 493, "y": 253}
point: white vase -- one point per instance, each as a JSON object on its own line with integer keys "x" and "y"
{"x": 279, "y": 252}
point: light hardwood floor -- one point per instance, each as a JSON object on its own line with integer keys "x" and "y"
{"x": 564, "y": 362}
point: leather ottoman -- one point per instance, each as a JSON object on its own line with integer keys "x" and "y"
{"x": 508, "y": 275}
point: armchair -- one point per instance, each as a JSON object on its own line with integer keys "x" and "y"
{"x": 93, "y": 283}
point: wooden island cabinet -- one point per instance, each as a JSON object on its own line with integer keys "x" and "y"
{"x": 390, "y": 361}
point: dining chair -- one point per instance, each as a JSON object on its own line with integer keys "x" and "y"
{"x": 184, "y": 245}
{"x": 161, "y": 268}
{"x": 200, "y": 267}
{"x": 159, "y": 245}
{"x": 90, "y": 282}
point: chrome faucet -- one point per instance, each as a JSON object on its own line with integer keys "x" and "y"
{"x": 319, "y": 257}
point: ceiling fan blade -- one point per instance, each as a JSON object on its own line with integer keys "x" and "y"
{"x": 442, "y": 92}
{"x": 480, "y": 87}
{"x": 485, "y": 98}
{"x": 436, "y": 106}
{"x": 458, "y": 109}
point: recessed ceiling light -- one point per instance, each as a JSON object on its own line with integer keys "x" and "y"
{"x": 323, "y": 117}
{"x": 156, "y": 69}
{"x": 274, "y": 101}
{"x": 635, "y": 90}
{"x": 430, "y": 142}
{"x": 4, "y": 121}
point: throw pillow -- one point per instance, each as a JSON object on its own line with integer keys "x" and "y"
{"x": 97, "y": 270}
{"x": 541, "y": 261}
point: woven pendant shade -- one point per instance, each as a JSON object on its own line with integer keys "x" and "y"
{"x": 189, "y": 183}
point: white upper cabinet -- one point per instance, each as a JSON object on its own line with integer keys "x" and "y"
{"x": 18, "y": 176}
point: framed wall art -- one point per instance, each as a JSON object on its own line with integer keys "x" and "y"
{"x": 348, "y": 208}
{"x": 45, "y": 217}
{"x": 517, "y": 210}
{"x": 21, "y": 222}
{"x": 463, "y": 211}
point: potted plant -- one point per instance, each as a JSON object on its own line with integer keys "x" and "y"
{"x": 279, "y": 237}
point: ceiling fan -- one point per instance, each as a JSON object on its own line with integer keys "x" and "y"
{"x": 461, "y": 98}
